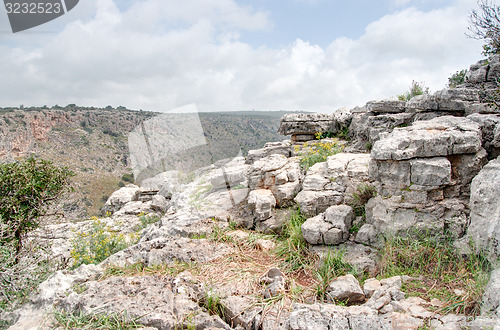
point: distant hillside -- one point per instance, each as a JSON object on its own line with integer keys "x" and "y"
{"x": 93, "y": 142}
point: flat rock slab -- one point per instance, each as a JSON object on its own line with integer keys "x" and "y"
{"x": 168, "y": 249}
{"x": 307, "y": 123}
{"x": 440, "y": 136}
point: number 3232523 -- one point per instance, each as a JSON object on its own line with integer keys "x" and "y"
{"x": 33, "y": 8}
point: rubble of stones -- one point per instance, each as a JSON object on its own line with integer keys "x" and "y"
{"x": 433, "y": 160}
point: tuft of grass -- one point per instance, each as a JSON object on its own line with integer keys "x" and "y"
{"x": 146, "y": 220}
{"x": 292, "y": 246}
{"x": 316, "y": 152}
{"x": 211, "y": 302}
{"x": 101, "y": 321}
{"x": 332, "y": 266}
{"x": 360, "y": 197}
{"x": 442, "y": 270}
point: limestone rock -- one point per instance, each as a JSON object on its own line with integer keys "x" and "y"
{"x": 159, "y": 203}
{"x": 484, "y": 229}
{"x": 491, "y": 297}
{"x": 262, "y": 203}
{"x": 330, "y": 228}
{"x": 329, "y": 183}
{"x": 271, "y": 148}
{"x": 441, "y": 136}
{"x": 307, "y": 123}
{"x": 229, "y": 175}
{"x": 122, "y": 196}
{"x": 386, "y": 106}
{"x": 431, "y": 171}
{"x": 318, "y": 317}
{"x": 281, "y": 175}
{"x": 345, "y": 288}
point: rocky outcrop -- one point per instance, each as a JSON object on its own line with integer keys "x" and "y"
{"x": 332, "y": 182}
{"x": 484, "y": 229}
{"x": 329, "y": 228}
{"x": 424, "y": 173}
{"x": 122, "y": 196}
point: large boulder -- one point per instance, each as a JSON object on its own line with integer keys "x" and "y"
{"x": 307, "y": 124}
{"x": 122, "y": 196}
{"x": 484, "y": 229}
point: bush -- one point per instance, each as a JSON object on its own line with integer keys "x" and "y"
{"x": 28, "y": 188}
{"x": 485, "y": 25}
{"x": 457, "y": 78}
{"x": 94, "y": 246}
{"x": 415, "y": 89}
{"x": 129, "y": 177}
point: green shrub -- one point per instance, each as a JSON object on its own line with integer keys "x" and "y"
{"x": 97, "y": 244}
{"x": 457, "y": 78}
{"x": 316, "y": 152}
{"x": 28, "y": 187}
{"x": 129, "y": 177}
{"x": 415, "y": 89}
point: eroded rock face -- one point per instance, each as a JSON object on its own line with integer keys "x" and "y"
{"x": 484, "y": 229}
{"x": 329, "y": 228}
{"x": 281, "y": 175}
{"x": 332, "y": 182}
{"x": 345, "y": 288}
{"x": 307, "y": 124}
{"x": 441, "y": 136}
{"x": 122, "y": 196}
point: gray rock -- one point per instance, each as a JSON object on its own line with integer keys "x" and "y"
{"x": 262, "y": 203}
{"x": 422, "y": 103}
{"x": 362, "y": 258}
{"x": 160, "y": 180}
{"x": 159, "y": 203}
{"x": 484, "y": 229}
{"x": 370, "y": 286}
{"x": 345, "y": 288}
{"x": 271, "y": 148}
{"x": 386, "y": 106}
{"x": 491, "y": 297}
{"x": 241, "y": 311}
{"x": 318, "y": 317}
{"x": 431, "y": 171}
{"x": 165, "y": 250}
{"x": 365, "y": 318}
{"x": 307, "y": 123}
{"x": 314, "y": 202}
{"x": 368, "y": 235}
{"x": 441, "y": 136}
{"x": 122, "y": 196}
{"x": 229, "y": 175}
{"x": 329, "y": 228}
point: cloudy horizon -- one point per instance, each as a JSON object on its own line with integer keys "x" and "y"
{"x": 224, "y": 55}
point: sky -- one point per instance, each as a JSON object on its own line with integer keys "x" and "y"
{"x": 227, "y": 55}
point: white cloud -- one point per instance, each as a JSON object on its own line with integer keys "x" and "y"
{"x": 158, "y": 55}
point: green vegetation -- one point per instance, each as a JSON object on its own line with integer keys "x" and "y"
{"x": 95, "y": 245}
{"x": 28, "y": 187}
{"x": 311, "y": 153}
{"x": 415, "y": 89}
{"x": 128, "y": 177}
{"x": 332, "y": 266}
{"x": 457, "y": 78}
{"x": 21, "y": 273}
{"x": 292, "y": 246}
{"x": 441, "y": 268}
{"x": 360, "y": 197}
{"x": 103, "y": 321}
{"x": 211, "y": 302}
{"x": 484, "y": 24}
{"x": 146, "y": 220}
